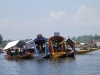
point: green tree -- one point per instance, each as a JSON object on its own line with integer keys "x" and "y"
{"x": 97, "y": 37}
{"x": 1, "y": 39}
{"x": 84, "y": 38}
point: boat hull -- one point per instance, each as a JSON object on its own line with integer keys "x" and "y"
{"x": 86, "y": 51}
{"x": 23, "y": 56}
{"x": 70, "y": 53}
{"x": 60, "y": 55}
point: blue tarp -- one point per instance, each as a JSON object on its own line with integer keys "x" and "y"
{"x": 31, "y": 44}
{"x": 40, "y": 38}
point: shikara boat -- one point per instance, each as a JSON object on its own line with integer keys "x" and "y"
{"x": 85, "y": 48}
{"x": 57, "y": 47}
{"x": 10, "y": 52}
{"x": 84, "y": 51}
{"x": 41, "y": 46}
{"x": 70, "y": 52}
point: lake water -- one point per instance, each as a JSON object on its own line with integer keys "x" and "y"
{"x": 87, "y": 64}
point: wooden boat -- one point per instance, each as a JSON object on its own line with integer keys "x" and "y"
{"x": 40, "y": 46}
{"x": 57, "y": 47}
{"x": 23, "y": 56}
{"x": 86, "y": 51}
{"x": 85, "y": 48}
{"x": 20, "y": 55}
{"x": 70, "y": 52}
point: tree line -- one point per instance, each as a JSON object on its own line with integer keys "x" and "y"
{"x": 85, "y": 38}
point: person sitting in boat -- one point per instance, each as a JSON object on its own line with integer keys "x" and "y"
{"x": 59, "y": 46}
{"x": 19, "y": 51}
{"x": 24, "y": 49}
{"x": 9, "y": 52}
{"x": 39, "y": 48}
{"x": 29, "y": 51}
{"x": 16, "y": 52}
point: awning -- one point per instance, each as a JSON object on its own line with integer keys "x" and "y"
{"x": 57, "y": 38}
{"x": 29, "y": 44}
{"x": 17, "y": 43}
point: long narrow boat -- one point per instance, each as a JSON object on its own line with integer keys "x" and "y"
{"x": 86, "y": 51}
{"x": 10, "y": 53}
{"x": 23, "y": 56}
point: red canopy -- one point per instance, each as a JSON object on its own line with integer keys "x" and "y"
{"x": 59, "y": 38}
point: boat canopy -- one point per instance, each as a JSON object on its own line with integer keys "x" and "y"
{"x": 40, "y": 40}
{"x": 17, "y": 43}
{"x": 70, "y": 42}
{"x": 57, "y": 38}
{"x": 29, "y": 44}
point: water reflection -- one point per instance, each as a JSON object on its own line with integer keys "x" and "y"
{"x": 80, "y": 65}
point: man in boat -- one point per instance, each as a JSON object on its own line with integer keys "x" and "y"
{"x": 16, "y": 52}
{"x": 9, "y": 53}
{"x": 24, "y": 49}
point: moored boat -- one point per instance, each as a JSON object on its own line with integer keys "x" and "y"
{"x": 14, "y": 50}
{"x": 23, "y": 56}
{"x": 84, "y": 51}
{"x": 58, "y": 49}
{"x": 70, "y": 52}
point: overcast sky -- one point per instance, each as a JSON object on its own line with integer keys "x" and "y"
{"x": 24, "y": 19}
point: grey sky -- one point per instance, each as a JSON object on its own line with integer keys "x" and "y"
{"x": 24, "y": 19}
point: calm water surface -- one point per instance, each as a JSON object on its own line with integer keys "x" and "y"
{"x": 87, "y": 64}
